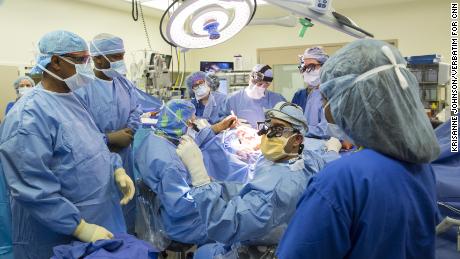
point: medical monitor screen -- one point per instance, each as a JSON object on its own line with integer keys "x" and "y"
{"x": 209, "y": 66}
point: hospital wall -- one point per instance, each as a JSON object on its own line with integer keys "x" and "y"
{"x": 421, "y": 27}
{"x": 23, "y": 22}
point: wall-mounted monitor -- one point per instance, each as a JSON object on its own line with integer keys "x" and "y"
{"x": 216, "y": 66}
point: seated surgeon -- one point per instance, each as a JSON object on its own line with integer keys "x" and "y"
{"x": 22, "y": 85}
{"x": 164, "y": 173}
{"x": 379, "y": 202}
{"x": 62, "y": 177}
{"x": 260, "y": 212}
{"x": 112, "y": 102}
{"x": 207, "y": 102}
{"x": 249, "y": 103}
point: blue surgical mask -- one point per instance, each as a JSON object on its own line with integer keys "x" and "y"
{"x": 202, "y": 91}
{"x": 117, "y": 69}
{"x": 83, "y": 77}
{"x": 312, "y": 78}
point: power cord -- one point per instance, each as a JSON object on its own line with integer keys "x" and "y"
{"x": 134, "y": 10}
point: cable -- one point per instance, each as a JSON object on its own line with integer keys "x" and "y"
{"x": 161, "y": 23}
{"x": 145, "y": 28}
{"x": 185, "y": 67}
{"x": 253, "y": 12}
{"x": 134, "y": 14}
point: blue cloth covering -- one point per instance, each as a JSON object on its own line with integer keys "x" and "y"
{"x": 59, "y": 171}
{"x": 113, "y": 106}
{"x": 122, "y": 246}
{"x": 164, "y": 173}
{"x": 353, "y": 209}
{"x": 250, "y": 109}
{"x": 9, "y": 106}
{"x": 260, "y": 212}
{"x": 6, "y": 244}
{"x": 148, "y": 102}
{"x": 447, "y": 170}
{"x": 211, "y": 110}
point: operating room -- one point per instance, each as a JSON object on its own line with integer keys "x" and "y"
{"x": 225, "y": 129}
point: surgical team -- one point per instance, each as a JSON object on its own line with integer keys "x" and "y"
{"x": 341, "y": 171}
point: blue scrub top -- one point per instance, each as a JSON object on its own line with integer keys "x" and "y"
{"x": 300, "y": 98}
{"x": 365, "y": 205}
{"x": 8, "y": 107}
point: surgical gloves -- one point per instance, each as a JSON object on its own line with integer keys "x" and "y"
{"x": 87, "y": 233}
{"x": 333, "y": 144}
{"x": 191, "y": 156}
{"x": 125, "y": 184}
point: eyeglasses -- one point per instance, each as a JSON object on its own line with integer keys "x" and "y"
{"x": 78, "y": 60}
{"x": 265, "y": 128}
{"x": 308, "y": 68}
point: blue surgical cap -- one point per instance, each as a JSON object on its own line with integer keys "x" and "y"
{"x": 57, "y": 43}
{"x": 105, "y": 44}
{"x": 380, "y": 109}
{"x": 17, "y": 81}
{"x": 174, "y": 116}
{"x": 316, "y": 53}
{"x": 194, "y": 77}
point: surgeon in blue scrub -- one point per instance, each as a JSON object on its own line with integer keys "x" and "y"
{"x": 260, "y": 212}
{"x": 112, "y": 102}
{"x": 208, "y": 103}
{"x": 379, "y": 202}
{"x": 63, "y": 179}
{"x": 163, "y": 172}
{"x": 249, "y": 103}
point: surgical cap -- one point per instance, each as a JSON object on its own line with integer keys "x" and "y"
{"x": 290, "y": 113}
{"x": 267, "y": 73}
{"x": 105, "y": 44}
{"x": 381, "y": 109}
{"x": 316, "y": 53}
{"x": 57, "y": 43}
{"x": 194, "y": 77}
{"x": 174, "y": 116}
{"x": 17, "y": 81}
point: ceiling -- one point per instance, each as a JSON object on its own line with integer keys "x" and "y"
{"x": 263, "y": 11}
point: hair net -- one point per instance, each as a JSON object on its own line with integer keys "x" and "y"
{"x": 173, "y": 117}
{"x": 214, "y": 82}
{"x": 194, "y": 77}
{"x": 375, "y": 100}
{"x": 289, "y": 112}
{"x": 316, "y": 53}
{"x": 104, "y": 44}
{"x": 57, "y": 43}
{"x": 17, "y": 81}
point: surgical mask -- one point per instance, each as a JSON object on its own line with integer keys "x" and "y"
{"x": 23, "y": 90}
{"x": 273, "y": 148}
{"x": 312, "y": 78}
{"x": 83, "y": 77}
{"x": 202, "y": 91}
{"x": 255, "y": 92}
{"x": 117, "y": 69}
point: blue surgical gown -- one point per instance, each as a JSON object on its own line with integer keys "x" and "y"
{"x": 313, "y": 111}
{"x": 211, "y": 110}
{"x": 6, "y": 244}
{"x": 59, "y": 171}
{"x": 9, "y": 106}
{"x": 113, "y": 106}
{"x": 163, "y": 172}
{"x": 260, "y": 212}
{"x": 365, "y": 205}
{"x": 250, "y": 109}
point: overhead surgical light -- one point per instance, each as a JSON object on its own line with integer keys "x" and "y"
{"x": 205, "y": 23}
